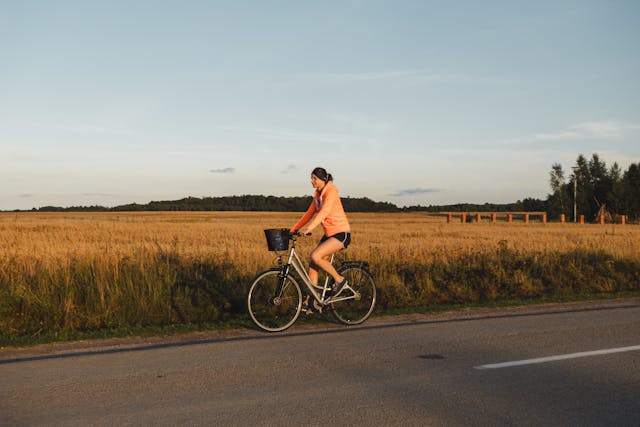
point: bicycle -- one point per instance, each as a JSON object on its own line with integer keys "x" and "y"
{"x": 274, "y": 300}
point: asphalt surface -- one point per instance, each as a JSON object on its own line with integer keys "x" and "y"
{"x": 450, "y": 369}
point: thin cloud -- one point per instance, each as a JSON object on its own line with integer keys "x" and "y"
{"x": 605, "y": 128}
{"x": 96, "y": 129}
{"x": 361, "y": 123}
{"x": 223, "y": 170}
{"x": 585, "y": 130}
{"x": 384, "y": 75}
{"x": 407, "y": 76}
{"x": 291, "y": 135}
{"x": 290, "y": 169}
{"x": 416, "y": 192}
{"x": 414, "y": 75}
{"x": 26, "y": 195}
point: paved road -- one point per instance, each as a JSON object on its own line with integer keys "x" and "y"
{"x": 407, "y": 370}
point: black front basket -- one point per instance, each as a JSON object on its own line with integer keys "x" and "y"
{"x": 277, "y": 239}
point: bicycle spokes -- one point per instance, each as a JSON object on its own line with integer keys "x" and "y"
{"x": 274, "y": 303}
{"x": 356, "y": 307}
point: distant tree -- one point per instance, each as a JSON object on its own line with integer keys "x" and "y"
{"x": 533, "y": 205}
{"x": 558, "y": 200}
{"x": 600, "y": 183}
{"x": 615, "y": 196}
{"x": 631, "y": 186}
{"x": 583, "y": 183}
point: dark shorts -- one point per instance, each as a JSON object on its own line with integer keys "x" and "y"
{"x": 344, "y": 238}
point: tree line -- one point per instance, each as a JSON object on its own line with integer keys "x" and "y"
{"x": 525, "y": 205}
{"x": 251, "y": 203}
{"x": 592, "y": 186}
{"x": 258, "y": 203}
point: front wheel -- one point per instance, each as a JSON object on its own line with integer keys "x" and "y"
{"x": 360, "y": 294}
{"x": 274, "y": 303}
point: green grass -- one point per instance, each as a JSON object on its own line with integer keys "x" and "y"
{"x": 243, "y": 322}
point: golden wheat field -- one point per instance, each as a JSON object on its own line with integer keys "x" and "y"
{"x": 46, "y": 239}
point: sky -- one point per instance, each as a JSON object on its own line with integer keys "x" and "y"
{"x": 409, "y": 102}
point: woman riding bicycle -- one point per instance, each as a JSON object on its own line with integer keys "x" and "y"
{"x": 328, "y": 211}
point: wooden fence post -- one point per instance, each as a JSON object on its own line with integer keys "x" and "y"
{"x": 463, "y": 219}
{"x": 494, "y": 217}
{"x": 510, "y": 218}
{"x": 526, "y": 218}
{"x": 449, "y": 218}
{"x": 478, "y": 217}
{"x": 563, "y": 218}
{"x": 623, "y": 219}
{"x": 601, "y": 219}
{"x": 581, "y": 219}
{"x": 544, "y": 218}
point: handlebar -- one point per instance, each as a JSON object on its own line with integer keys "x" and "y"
{"x": 297, "y": 233}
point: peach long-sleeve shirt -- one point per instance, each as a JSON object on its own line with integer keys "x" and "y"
{"x": 328, "y": 210}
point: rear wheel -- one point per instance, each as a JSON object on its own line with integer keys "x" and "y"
{"x": 272, "y": 307}
{"x": 361, "y": 287}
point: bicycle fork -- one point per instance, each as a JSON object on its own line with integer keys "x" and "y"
{"x": 276, "y": 299}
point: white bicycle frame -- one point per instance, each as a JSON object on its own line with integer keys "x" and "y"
{"x": 300, "y": 268}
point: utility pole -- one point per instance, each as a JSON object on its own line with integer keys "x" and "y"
{"x": 575, "y": 195}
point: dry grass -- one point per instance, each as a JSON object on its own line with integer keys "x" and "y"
{"x": 50, "y": 239}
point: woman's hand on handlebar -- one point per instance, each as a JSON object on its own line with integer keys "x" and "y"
{"x": 305, "y": 231}
{"x": 302, "y": 232}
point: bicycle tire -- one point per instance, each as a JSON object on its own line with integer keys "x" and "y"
{"x": 357, "y": 310}
{"x": 271, "y": 312}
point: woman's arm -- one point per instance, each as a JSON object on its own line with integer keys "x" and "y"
{"x": 305, "y": 217}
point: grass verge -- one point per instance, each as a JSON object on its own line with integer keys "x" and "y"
{"x": 161, "y": 294}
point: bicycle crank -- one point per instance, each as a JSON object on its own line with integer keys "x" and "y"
{"x": 276, "y": 300}
{"x": 317, "y": 306}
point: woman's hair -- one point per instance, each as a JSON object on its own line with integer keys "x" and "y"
{"x": 322, "y": 174}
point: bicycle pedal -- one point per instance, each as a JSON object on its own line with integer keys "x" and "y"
{"x": 317, "y": 306}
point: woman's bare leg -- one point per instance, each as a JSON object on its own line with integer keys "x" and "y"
{"x": 313, "y": 275}
{"x": 320, "y": 256}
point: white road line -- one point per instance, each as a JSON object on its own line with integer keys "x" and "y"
{"x": 559, "y": 357}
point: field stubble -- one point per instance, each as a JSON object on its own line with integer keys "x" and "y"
{"x": 88, "y": 271}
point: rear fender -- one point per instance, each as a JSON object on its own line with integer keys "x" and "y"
{"x": 349, "y": 264}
